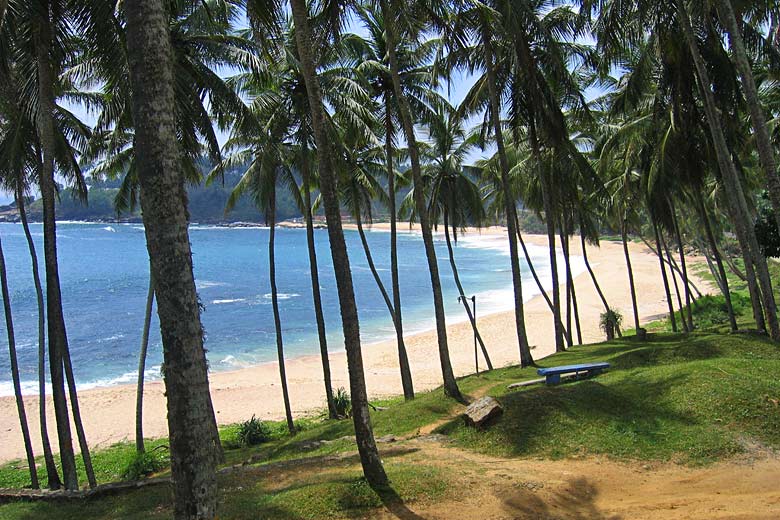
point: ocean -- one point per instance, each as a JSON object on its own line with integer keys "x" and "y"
{"x": 104, "y": 280}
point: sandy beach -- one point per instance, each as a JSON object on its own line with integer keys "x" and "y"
{"x": 108, "y": 413}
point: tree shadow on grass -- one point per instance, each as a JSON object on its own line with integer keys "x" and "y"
{"x": 395, "y": 504}
{"x": 530, "y": 415}
{"x": 576, "y": 501}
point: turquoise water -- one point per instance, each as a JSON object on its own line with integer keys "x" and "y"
{"x": 104, "y": 277}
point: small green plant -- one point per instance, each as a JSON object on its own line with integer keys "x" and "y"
{"x": 144, "y": 464}
{"x": 342, "y": 403}
{"x": 609, "y": 322}
{"x": 253, "y": 432}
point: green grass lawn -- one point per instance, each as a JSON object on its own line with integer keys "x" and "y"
{"x": 691, "y": 399}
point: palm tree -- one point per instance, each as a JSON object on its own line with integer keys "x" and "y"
{"x": 414, "y": 70}
{"x": 9, "y": 325}
{"x": 20, "y": 157}
{"x": 268, "y": 166}
{"x": 40, "y": 32}
{"x": 729, "y": 20}
{"x": 392, "y": 36}
{"x": 191, "y": 422}
{"x": 453, "y": 195}
{"x": 369, "y": 455}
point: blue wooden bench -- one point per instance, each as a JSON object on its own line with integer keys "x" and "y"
{"x": 553, "y": 374}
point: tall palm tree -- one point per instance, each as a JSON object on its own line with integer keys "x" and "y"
{"x": 393, "y": 34}
{"x": 41, "y": 34}
{"x": 20, "y": 160}
{"x": 369, "y": 455}
{"x": 191, "y": 422}
{"x": 414, "y": 70}
{"x": 453, "y": 194}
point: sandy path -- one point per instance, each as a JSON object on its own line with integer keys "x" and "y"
{"x": 595, "y": 488}
{"x": 109, "y": 412}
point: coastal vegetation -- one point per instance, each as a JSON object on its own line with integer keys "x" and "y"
{"x": 646, "y": 121}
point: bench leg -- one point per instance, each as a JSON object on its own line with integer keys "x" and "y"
{"x": 553, "y": 379}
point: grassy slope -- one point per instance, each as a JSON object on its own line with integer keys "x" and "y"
{"x": 691, "y": 399}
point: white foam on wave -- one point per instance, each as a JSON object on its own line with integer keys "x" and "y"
{"x": 31, "y": 387}
{"x": 206, "y": 284}
{"x": 281, "y": 296}
{"x": 233, "y": 300}
{"x": 110, "y": 229}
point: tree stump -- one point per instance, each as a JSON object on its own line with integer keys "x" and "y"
{"x": 482, "y": 411}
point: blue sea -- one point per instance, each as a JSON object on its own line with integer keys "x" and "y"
{"x": 104, "y": 278}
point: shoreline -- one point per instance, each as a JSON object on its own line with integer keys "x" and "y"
{"x": 108, "y": 412}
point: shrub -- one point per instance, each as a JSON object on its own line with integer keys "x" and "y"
{"x": 342, "y": 403}
{"x": 610, "y": 322}
{"x": 144, "y": 464}
{"x": 252, "y": 432}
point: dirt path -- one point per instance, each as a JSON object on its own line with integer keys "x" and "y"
{"x": 494, "y": 488}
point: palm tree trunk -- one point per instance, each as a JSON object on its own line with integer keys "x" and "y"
{"x": 763, "y": 143}
{"x": 271, "y": 220}
{"x": 592, "y": 274}
{"x": 509, "y": 200}
{"x": 724, "y": 285}
{"x": 52, "y": 474}
{"x": 672, "y": 317}
{"x": 677, "y": 292}
{"x": 462, "y": 293}
{"x": 9, "y": 326}
{"x": 450, "y": 384}
{"x": 624, "y": 237}
{"x": 403, "y": 358}
{"x": 315, "y": 285}
{"x": 681, "y": 251}
{"x": 139, "y": 393}
{"x": 535, "y": 274}
{"x": 570, "y": 281}
{"x": 77, "y": 422}
{"x": 58, "y": 342}
{"x": 194, "y": 445}
{"x": 569, "y": 340}
{"x": 732, "y": 184}
{"x": 364, "y": 435}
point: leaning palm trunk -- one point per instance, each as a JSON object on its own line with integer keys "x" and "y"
{"x": 568, "y": 334}
{"x": 58, "y": 342}
{"x": 315, "y": 286}
{"x": 509, "y": 201}
{"x": 139, "y": 392}
{"x": 570, "y": 281}
{"x": 193, "y": 436}
{"x": 9, "y": 327}
{"x": 79, "y": 425}
{"x": 364, "y": 435}
{"x": 271, "y": 220}
{"x": 592, "y": 274}
{"x": 677, "y": 292}
{"x": 733, "y": 187}
{"x": 461, "y": 292}
{"x": 721, "y": 270}
{"x": 686, "y": 286}
{"x": 52, "y": 474}
{"x": 450, "y": 384}
{"x": 624, "y": 237}
{"x": 403, "y": 358}
{"x": 763, "y": 143}
{"x": 669, "y": 302}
